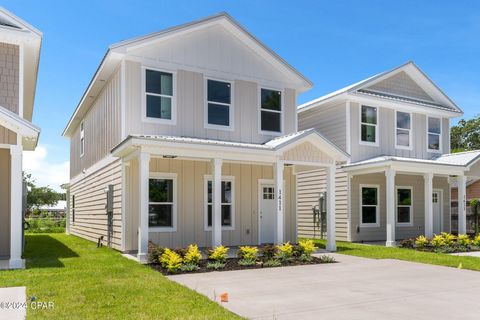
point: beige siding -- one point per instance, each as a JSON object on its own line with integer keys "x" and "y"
{"x": 191, "y": 203}
{"x": 190, "y": 106}
{"x": 310, "y": 185}
{"x": 386, "y": 136}
{"x": 102, "y": 128}
{"x": 402, "y": 232}
{"x": 90, "y": 200}
{"x": 307, "y": 152}
{"x": 330, "y": 121}
{"x": 9, "y": 86}
{"x": 402, "y": 85}
{"x": 4, "y": 203}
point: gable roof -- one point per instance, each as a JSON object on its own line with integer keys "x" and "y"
{"x": 16, "y": 31}
{"x": 19, "y": 125}
{"x": 116, "y": 52}
{"x": 427, "y": 93}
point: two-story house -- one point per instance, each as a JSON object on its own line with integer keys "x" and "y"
{"x": 396, "y": 128}
{"x": 19, "y": 57}
{"x": 189, "y": 135}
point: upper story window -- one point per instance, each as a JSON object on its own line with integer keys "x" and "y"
{"x": 162, "y": 202}
{"x": 270, "y": 111}
{"x": 434, "y": 134}
{"x": 219, "y": 105}
{"x": 403, "y": 134}
{"x": 368, "y": 125}
{"x": 82, "y": 139}
{"x": 159, "y": 99}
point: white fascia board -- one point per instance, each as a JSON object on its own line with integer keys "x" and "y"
{"x": 405, "y": 166}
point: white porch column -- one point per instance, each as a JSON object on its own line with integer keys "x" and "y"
{"x": 143, "y": 176}
{"x": 428, "y": 178}
{"x": 331, "y": 245}
{"x": 390, "y": 192}
{"x": 16, "y": 217}
{"x": 462, "y": 203}
{"x": 216, "y": 202}
{"x": 278, "y": 177}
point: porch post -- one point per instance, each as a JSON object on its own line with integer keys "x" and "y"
{"x": 390, "y": 192}
{"x": 16, "y": 216}
{"x": 462, "y": 202}
{"x": 278, "y": 177}
{"x": 428, "y": 177}
{"x": 143, "y": 183}
{"x": 217, "y": 202}
{"x": 331, "y": 245}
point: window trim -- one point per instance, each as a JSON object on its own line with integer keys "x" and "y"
{"x": 167, "y": 176}
{"x": 439, "y": 135}
{"x": 403, "y": 224}
{"x": 73, "y": 209}
{"x": 231, "y": 110}
{"x": 410, "y": 131}
{"x": 282, "y": 111}
{"x": 146, "y": 119}
{"x": 377, "y": 135}
{"x": 377, "y": 215}
{"x": 207, "y": 178}
{"x": 82, "y": 139}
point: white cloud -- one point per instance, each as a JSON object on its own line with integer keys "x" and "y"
{"x": 45, "y": 172}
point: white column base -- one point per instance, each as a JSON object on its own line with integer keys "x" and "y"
{"x": 16, "y": 264}
{"x": 390, "y": 243}
{"x": 142, "y": 257}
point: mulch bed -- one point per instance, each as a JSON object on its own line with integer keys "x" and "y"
{"x": 232, "y": 264}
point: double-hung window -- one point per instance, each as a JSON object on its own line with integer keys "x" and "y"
{"x": 270, "y": 111}
{"x": 369, "y": 206}
{"x": 162, "y": 202}
{"x": 434, "y": 134}
{"x": 227, "y": 209}
{"x": 404, "y": 206}
{"x": 219, "y": 104}
{"x": 368, "y": 125}
{"x": 159, "y": 99}
{"x": 403, "y": 134}
{"x": 82, "y": 139}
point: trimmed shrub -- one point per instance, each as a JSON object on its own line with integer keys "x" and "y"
{"x": 192, "y": 255}
{"x": 171, "y": 260}
{"x": 219, "y": 254}
{"x": 247, "y": 255}
{"x": 215, "y": 265}
{"x": 285, "y": 252}
{"x": 272, "y": 263}
{"x": 154, "y": 253}
{"x": 421, "y": 241}
{"x": 268, "y": 251}
{"x": 463, "y": 240}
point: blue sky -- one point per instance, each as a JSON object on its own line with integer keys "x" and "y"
{"x": 333, "y": 43}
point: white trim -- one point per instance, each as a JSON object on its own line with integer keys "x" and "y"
{"x": 231, "y": 110}
{"x": 16, "y": 216}
{"x": 174, "y": 203}
{"x": 123, "y": 88}
{"x": 281, "y": 112}
{"x": 440, "y": 200}
{"x": 403, "y": 224}
{"x": 439, "y": 135}
{"x": 21, "y": 81}
{"x": 82, "y": 138}
{"x": 173, "y": 120}
{"x": 260, "y": 183}
{"x": 377, "y": 218}
{"x": 348, "y": 125}
{"x": 377, "y": 135}
{"x": 207, "y": 178}
{"x": 94, "y": 168}
{"x": 124, "y": 205}
{"x": 410, "y": 131}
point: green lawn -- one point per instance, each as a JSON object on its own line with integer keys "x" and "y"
{"x": 380, "y": 252}
{"x": 85, "y": 282}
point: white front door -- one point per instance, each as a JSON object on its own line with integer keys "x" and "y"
{"x": 267, "y": 213}
{"x": 437, "y": 212}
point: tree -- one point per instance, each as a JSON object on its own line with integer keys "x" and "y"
{"x": 465, "y": 135}
{"x": 40, "y": 196}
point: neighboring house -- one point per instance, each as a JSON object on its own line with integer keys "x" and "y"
{"x": 189, "y": 135}
{"x": 19, "y": 57}
{"x": 396, "y": 128}
{"x": 58, "y": 210}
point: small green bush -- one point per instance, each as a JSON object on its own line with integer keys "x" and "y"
{"x": 421, "y": 241}
{"x": 272, "y": 263}
{"x": 192, "y": 255}
{"x": 247, "y": 262}
{"x": 219, "y": 254}
{"x": 463, "y": 240}
{"x": 216, "y": 265}
{"x": 327, "y": 259}
{"x": 171, "y": 260}
{"x": 154, "y": 253}
{"x": 268, "y": 251}
{"x": 285, "y": 252}
{"x": 248, "y": 253}
{"x": 189, "y": 267}
{"x": 307, "y": 248}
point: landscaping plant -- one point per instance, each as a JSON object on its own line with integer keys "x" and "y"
{"x": 463, "y": 240}
{"x": 421, "y": 241}
{"x": 268, "y": 251}
{"x": 307, "y": 248}
{"x": 218, "y": 256}
{"x": 171, "y": 260}
{"x": 272, "y": 263}
{"x": 285, "y": 252}
{"x": 154, "y": 253}
{"x": 247, "y": 255}
{"x": 191, "y": 259}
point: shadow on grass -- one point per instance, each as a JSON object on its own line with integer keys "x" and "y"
{"x": 43, "y": 251}
{"x": 322, "y": 244}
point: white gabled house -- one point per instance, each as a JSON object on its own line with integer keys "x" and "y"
{"x": 19, "y": 56}
{"x": 396, "y": 185}
{"x": 189, "y": 135}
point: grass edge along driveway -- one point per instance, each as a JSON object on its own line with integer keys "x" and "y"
{"x": 381, "y": 252}
{"x": 86, "y": 282}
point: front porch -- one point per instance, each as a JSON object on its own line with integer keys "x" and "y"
{"x": 215, "y": 193}
{"x": 394, "y": 198}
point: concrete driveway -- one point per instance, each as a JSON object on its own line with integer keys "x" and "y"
{"x": 355, "y": 288}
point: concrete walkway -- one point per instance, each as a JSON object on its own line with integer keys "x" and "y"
{"x": 355, "y": 288}
{"x": 12, "y": 303}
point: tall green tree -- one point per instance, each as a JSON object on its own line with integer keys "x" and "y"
{"x": 465, "y": 135}
{"x": 40, "y": 196}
